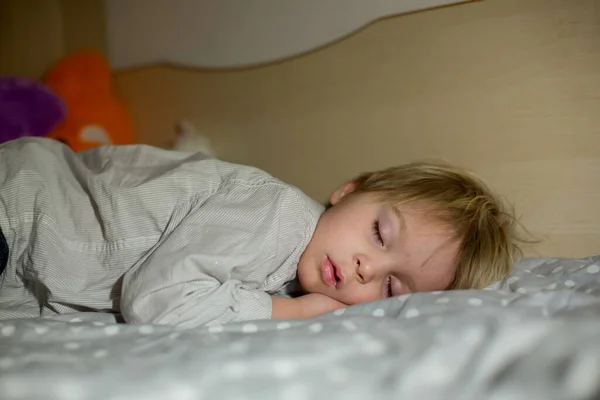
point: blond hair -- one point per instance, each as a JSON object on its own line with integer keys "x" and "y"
{"x": 479, "y": 219}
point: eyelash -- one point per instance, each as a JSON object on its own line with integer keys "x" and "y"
{"x": 377, "y": 232}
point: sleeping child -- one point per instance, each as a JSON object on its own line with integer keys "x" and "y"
{"x": 166, "y": 237}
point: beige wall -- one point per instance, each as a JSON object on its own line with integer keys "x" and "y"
{"x": 34, "y": 34}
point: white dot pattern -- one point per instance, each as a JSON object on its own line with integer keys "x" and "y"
{"x": 284, "y": 368}
{"x": 349, "y": 325}
{"x": 379, "y": 312}
{"x": 111, "y": 330}
{"x": 146, "y": 329}
{"x": 215, "y": 328}
{"x": 372, "y": 348}
{"x": 284, "y": 325}
{"x": 184, "y": 392}
{"x": 100, "y": 353}
{"x": 475, "y": 302}
{"x": 72, "y": 346}
{"x": 41, "y": 329}
{"x": 249, "y": 328}
{"x": 69, "y": 390}
{"x": 593, "y": 269}
{"x": 8, "y": 330}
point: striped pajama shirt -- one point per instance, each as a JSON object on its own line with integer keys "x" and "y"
{"x": 153, "y": 235}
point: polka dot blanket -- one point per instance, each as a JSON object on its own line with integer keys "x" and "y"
{"x": 535, "y": 335}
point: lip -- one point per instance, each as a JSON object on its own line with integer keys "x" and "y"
{"x": 331, "y": 274}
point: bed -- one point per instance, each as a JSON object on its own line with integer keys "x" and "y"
{"x": 534, "y": 335}
{"x": 531, "y": 336}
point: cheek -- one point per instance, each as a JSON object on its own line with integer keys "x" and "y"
{"x": 340, "y": 219}
{"x": 307, "y": 272}
{"x": 331, "y": 226}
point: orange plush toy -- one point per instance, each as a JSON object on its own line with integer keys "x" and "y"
{"x": 94, "y": 114}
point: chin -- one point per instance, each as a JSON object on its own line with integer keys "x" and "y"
{"x": 312, "y": 286}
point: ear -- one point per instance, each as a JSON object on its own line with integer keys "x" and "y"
{"x": 341, "y": 192}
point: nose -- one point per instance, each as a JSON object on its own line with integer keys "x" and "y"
{"x": 364, "y": 269}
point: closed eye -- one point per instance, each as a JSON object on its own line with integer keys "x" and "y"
{"x": 377, "y": 232}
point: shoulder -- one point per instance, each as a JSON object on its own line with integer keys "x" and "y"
{"x": 297, "y": 218}
{"x": 290, "y": 202}
{"x": 277, "y": 219}
{"x": 298, "y": 207}
{"x": 256, "y": 196}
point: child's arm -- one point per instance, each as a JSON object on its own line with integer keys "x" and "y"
{"x": 306, "y": 306}
{"x": 217, "y": 259}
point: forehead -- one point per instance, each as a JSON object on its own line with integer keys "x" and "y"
{"x": 429, "y": 245}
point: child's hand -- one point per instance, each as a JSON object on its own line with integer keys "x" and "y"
{"x": 317, "y": 303}
{"x": 306, "y": 306}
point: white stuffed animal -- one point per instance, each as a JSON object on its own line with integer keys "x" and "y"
{"x": 188, "y": 139}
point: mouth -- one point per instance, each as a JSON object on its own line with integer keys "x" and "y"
{"x": 332, "y": 275}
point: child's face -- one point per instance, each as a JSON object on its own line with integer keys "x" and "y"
{"x": 363, "y": 250}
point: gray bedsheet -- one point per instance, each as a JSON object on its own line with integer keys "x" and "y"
{"x": 535, "y": 335}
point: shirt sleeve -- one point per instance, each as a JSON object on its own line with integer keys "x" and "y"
{"x": 210, "y": 264}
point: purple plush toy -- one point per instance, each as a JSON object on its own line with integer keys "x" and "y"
{"x": 27, "y": 108}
